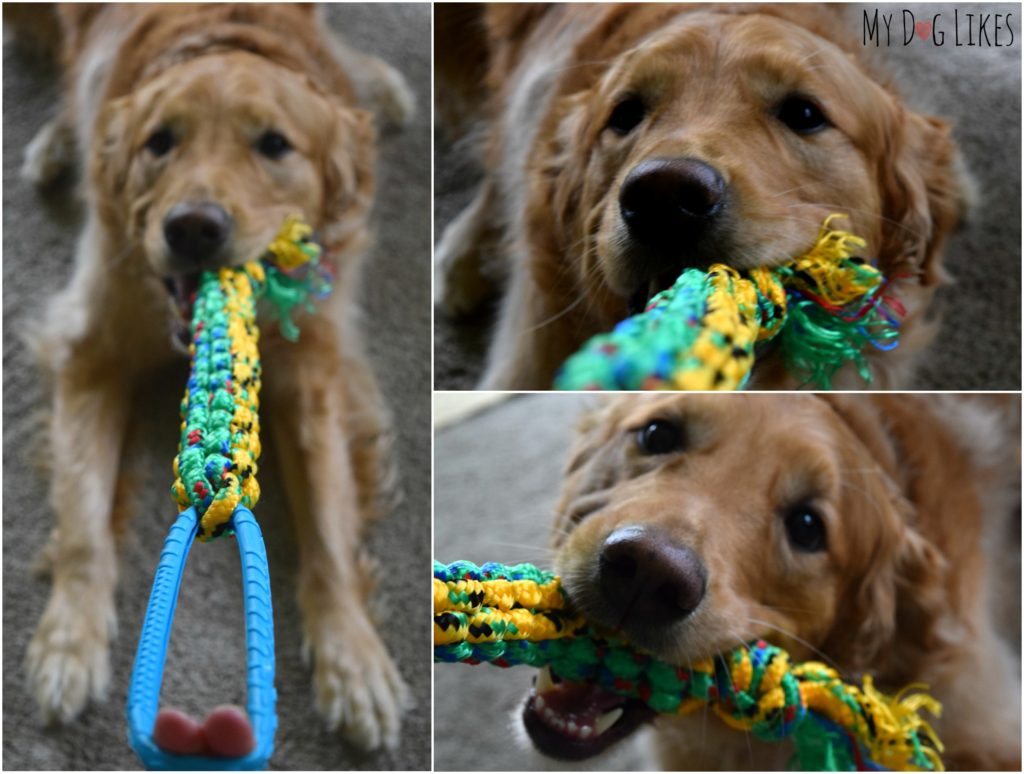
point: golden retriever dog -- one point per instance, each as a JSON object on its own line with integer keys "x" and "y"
{"x": 199, "y": 128}
{"x": 872, "y": 532}
{"x": 623, "y": 143}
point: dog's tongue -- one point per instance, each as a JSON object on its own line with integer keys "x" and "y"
{"x": 183, "y": 288}
{"x": 641, "y": 297}
{"x": 584, "y": 702}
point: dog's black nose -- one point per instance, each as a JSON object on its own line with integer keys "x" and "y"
{"x": 667, "y": 203}
{"x": 195, "y": 232}
{"x": 648, "y": 579}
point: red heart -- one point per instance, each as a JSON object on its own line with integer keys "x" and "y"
{"x": 923, "y": 29}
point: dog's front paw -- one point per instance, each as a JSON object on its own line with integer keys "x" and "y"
{"x": 68, "y": 660}
{"x": 358, "y": 689}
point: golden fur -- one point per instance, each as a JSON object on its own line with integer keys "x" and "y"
{"x": 710, "y": 76}
{"x": 917, "y": 494}
{"x": 219, "y": 76}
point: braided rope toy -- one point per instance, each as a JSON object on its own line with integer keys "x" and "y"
{"x": 824, "y": 307}
{"x": 512, "y": 615}
{"x": 215, "y": 481}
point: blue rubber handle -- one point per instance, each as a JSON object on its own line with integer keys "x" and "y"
{"x": 147, "y": 674}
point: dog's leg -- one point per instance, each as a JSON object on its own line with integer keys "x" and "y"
{"x": 68, "y": 661}
{"x": 461, "y": 279}
{"x": 312, "y": 405}
{"x": 533, "y": 336}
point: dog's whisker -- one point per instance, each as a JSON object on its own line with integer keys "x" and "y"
{"x": 545, "y": 550}
{"x": 784, "y": 609}
{"x": 794, "y": 219}
{"x": 867, "y": 213}
{"x": 556, "y": 316}
{"x": 560, "y": 531}
{"x": 794, "y": 637}
{"x": 788, "y": 190}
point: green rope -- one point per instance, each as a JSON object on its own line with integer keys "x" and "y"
{"x": 825, "y": 307}
{"x": 215, "y": 469}
{"x": 833, "y": 724}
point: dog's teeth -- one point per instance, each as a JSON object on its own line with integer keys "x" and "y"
{"x": 544, "y": 681}
{"x": 572, "y": 727}
{"x": 585, "y": 732}
{"x": 538, "y": 703}
{"x": 607, "y": 720}
{"x": 549, "y": 715}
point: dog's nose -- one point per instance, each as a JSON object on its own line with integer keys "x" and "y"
{"x": 195, "y": 232}
{"x": 648, "y": 579}
{"x": 666, "y": 203}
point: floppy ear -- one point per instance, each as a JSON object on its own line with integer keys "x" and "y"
{"x": 565, "y": 152}
{"x": 349, "y": 170}
{"x": 897, "y": 593}
{"x": 899, "y": 598}
{"x": 924, "y": 188}
{"x": 921, "y": 600}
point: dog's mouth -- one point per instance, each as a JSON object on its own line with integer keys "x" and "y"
{"x": 640, "y": 298}
{"x": 182, "y": 290}
{"x": 574, "y": 721}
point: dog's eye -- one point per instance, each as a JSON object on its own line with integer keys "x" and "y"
{"x": 160, "y": 142}
{"x": 802, "y": 116}
{"x": 806, "y": 529}
{"x": 627, "y": 115}
{"x": 660, "y": 437}
{"x": 273, "y": 144}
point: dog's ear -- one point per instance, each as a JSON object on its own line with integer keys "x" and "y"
{"x": 922, "y": 602}
{"x": 925, "y": 194}
{"x": 561, "y": 164}
{"x": 349, "y": 169}
{"x": 898, "y": 599}
{"x": 113, "y": 148}
{"x": 897, "y": 594}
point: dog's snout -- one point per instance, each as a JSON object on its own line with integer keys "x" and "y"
{"x": 646, "y": 578}
{"x": 667, "y": 201}
{"x": 195, "y": 232}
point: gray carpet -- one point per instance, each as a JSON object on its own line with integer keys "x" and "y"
{"x": 38, "y": 238}
{"x": 979, "y": 90}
